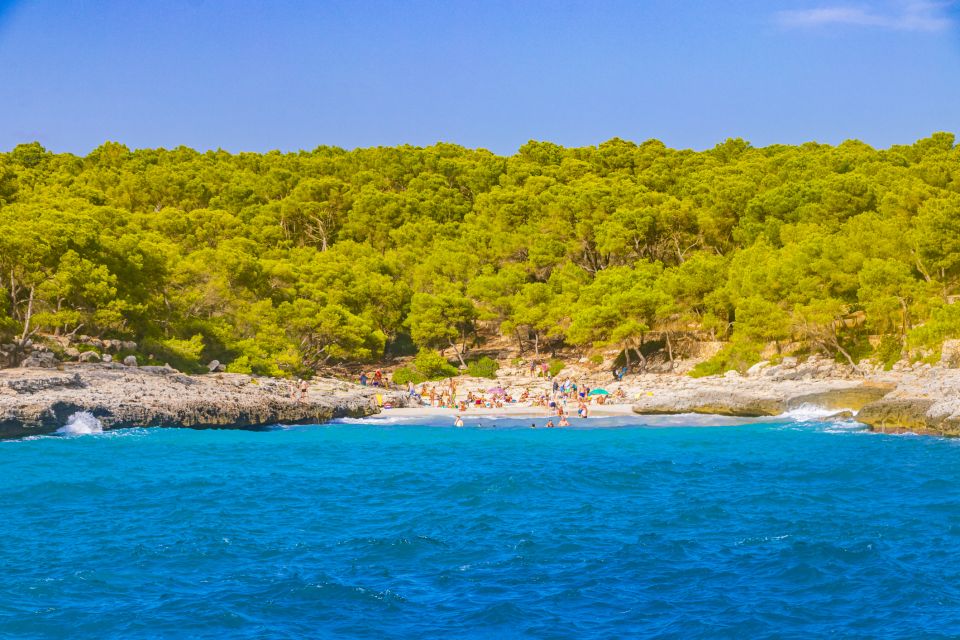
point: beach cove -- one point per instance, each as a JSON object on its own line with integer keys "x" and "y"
{"x": 36, "y": 401}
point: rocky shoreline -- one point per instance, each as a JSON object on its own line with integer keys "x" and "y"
{"x": 40, "y": 401}
{"x": 922, "y": 399}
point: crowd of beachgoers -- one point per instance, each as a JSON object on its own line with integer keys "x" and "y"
{"x": 557, "y": 395}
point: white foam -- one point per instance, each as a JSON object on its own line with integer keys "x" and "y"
{"x": 807, "y": 412}
{"x": 378, "y": 419}
{"x": 81, "y": 423}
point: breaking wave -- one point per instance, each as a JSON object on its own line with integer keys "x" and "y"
{"x": 81, "y": 423}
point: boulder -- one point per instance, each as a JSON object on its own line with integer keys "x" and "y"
{"x": 107, "y": 357}
{"x": 130, "y": 361}
{"x": 214, "y": 365}
{"x": 42, "y": 359}
{"x": 950, "y": 354}
{"x": 71, "y": 352}
{"x": 757, "y": 368}
{"x": 89, "y": 356}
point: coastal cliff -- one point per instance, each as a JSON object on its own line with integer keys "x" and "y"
{"x": 39, "y": 401}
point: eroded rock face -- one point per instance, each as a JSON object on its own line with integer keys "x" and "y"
{"x": 902, "y": 415}
{"x": 926, "y": 400}
{"x": 38, "y": 401}
{"x": 736, "y": 396}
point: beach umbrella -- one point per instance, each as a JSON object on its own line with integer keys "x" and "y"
{"x": 599, "y": 392}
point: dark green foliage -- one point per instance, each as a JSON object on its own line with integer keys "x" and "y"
{"x": 403, "y": 375}
{"x": 279, "y": 264}
{"x": 556, "y": 366}
{"x": 433, "y": 366}
{"x": 738, "y": 355}
{"x": 483, "y": 367}
{"x": 889, "y": 351}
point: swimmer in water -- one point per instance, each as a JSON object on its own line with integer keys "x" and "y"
{"x": 533, "y": 425}
{"x": 564, "y": 422}
{"x": 458, "y": 422}
{"x": 550, "y": 424}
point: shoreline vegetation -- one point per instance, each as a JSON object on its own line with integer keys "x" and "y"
{"x": 736, "y": 280}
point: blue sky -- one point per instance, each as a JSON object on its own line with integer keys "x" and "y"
{"x": 261, "y": 75}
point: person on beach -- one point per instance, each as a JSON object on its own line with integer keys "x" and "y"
{"x": 582, "y": 411}
{"x": 304, "y": 385}
{"x": 363, "y": 378}
{"x": 458, "y": 422}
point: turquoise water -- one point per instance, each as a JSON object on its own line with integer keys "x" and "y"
{"x": 783, "y": 529}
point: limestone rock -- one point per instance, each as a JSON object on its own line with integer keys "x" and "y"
{"x": 755, "y": 370}
{"x": 42, "y": 359}
{"x": 89, "y": 356}
{"x": 37, "y": 401}
{"x": 107, "y": 357}
{"x": 130, "y": 361}
{"x": 950, "y": 354}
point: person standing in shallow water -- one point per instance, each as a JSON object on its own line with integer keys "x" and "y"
{"x": 458, "y": 422}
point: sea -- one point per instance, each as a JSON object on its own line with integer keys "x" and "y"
{"x": 631, "y": 527}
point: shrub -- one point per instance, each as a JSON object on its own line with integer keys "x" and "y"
{"x": 240, "y": 365}
{"x": 182, "y": 355}
{"x": 403, "y": 375}
{"x": 889, "y": 351}
{"x": 483, "y": 368}
{"x": 433, "y": 366}
{"x": 596, "y": 359}
{"x": 556, "y": 366}
{"x": 737, "y": 354}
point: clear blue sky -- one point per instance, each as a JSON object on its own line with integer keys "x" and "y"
{"x": 260, "y": 75}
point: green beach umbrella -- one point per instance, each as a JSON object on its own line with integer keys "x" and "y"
{"x": 599, "y": 392}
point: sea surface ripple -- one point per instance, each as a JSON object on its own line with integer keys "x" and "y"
{"x": 394, "y": 529}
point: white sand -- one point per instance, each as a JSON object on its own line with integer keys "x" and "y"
{"x": 512, "y": 411}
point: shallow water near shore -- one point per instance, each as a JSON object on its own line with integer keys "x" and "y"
{"x": 387, "y": 528}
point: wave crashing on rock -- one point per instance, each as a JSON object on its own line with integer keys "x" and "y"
{"x": 81, "y": 423}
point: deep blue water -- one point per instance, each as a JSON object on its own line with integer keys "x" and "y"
{"x": 786, "y": 530}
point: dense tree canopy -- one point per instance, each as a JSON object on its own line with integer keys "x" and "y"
{"x": 280, "y": 263}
